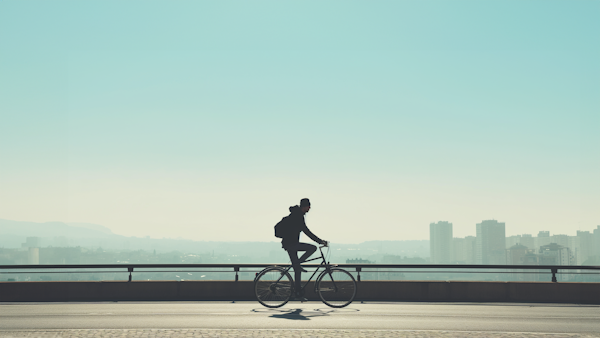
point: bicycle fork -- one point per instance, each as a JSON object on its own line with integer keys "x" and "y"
{"x": 328, "y": 271}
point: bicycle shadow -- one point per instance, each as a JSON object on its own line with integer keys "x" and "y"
{"x": 301, "y": 314}
{"x": 328, "y": 310}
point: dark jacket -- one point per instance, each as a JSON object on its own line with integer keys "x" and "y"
{"x": 297, "y": 224}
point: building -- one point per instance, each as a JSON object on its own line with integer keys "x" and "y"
{"x": 526, "y": 240}
{"x": 515, "y": 255}
{"x": 440, "y": 242}
{"x": 597, "y": 241}
{"x": 518, "y": 255}
{"x": 574, "y": 246}
{"x": 490, "y": 243}
{"x": 554, "y": 254}
{"x": 531, "y": 258}
{"x": 459, "y": 255}
{"x": 463, "y": 250}
{"x": 585, "y": 246}
{"x": 33, "y": 256}
{"x": 470, "y": 244}
{"x": 32, "y": 246}
{"x": 543, "y": 238}
{"x": 512, "y": 241}
{"x": 562, "y": 240}
{"x": 31, "y": 242}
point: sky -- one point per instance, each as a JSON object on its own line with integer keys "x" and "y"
{"x": 208, "y": 119}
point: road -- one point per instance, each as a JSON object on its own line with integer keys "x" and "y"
{"x": 381, "y": 319}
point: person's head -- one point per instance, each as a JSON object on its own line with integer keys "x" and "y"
{"x": 305, "y": 205}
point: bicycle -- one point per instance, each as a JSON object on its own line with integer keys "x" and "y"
{"x": 336, "y": 287}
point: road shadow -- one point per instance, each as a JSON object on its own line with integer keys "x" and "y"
{"x": 292, "y": 314}
{"x": 333, "y": 310}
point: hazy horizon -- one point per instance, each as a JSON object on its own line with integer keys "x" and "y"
{"x": 209, "y": 119}
{"x": 273, "y": 239}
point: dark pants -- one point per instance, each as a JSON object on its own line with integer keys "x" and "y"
{"x": 293, "y": 252}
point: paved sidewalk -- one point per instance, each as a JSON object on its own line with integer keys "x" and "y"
{"x": 278, "y": 333}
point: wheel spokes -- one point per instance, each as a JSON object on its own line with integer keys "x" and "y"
{"x": 337, "y": 288}
{"x": 273, "y": 287}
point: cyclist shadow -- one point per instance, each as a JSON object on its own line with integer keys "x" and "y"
{"x": 300, "y": 314}
{"x": 292, "y": 314}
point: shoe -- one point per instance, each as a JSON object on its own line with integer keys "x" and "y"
{"x": 300, "y": 297}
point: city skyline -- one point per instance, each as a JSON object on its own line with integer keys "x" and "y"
{"x": 492, "y": 246}
{"x": 489, "y": 246}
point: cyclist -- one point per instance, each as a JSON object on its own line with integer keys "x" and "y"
{"x": 291, "y": 243}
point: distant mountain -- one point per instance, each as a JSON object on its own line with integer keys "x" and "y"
{"x": 93, "y": 236}
{"x": 97, "y": 227}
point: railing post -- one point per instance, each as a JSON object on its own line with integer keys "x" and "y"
{"x": 236, "y": 268}
{"x": 358, "y": 269}
{"x": 554, "y": 271}
{"x": 130, "y": 270}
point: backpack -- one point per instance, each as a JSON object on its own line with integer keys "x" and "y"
{"x": 283, "y": 228}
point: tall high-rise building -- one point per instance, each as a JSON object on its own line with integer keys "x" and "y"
{"x": 440, "y": 242}
{"x": 490, "y": 243}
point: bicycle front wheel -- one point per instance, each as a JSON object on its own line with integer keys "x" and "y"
{"x": 273, "y": 287}
{"x": 336, "y": 287}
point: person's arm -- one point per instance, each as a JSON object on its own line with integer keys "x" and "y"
{"x": 310, "y": 234}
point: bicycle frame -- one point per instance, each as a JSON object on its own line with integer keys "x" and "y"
{"x": 324, "y": 263}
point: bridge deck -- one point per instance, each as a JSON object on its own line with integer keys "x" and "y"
{"x": 312, "y": 319}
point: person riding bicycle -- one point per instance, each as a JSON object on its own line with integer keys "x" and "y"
{"x": 291, "y": 242}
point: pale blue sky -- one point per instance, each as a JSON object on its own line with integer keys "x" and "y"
{"x": 206, "y": 120}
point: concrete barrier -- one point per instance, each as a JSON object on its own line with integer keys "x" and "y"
{"x": 413, "y": 291}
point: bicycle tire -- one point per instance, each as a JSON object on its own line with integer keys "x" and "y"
{"x": 336, "y": 287}
{"x": 273, "y": 287}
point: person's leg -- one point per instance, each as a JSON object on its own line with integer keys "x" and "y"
{"x": 308, "y": 248}
{"x": 293, "y": 253}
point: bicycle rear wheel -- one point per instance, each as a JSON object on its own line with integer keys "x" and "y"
{"x": 336, "y": 287}
{"x": 273, "y": 287}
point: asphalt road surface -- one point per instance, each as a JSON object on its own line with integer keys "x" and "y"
{"x": 379, "y": 318}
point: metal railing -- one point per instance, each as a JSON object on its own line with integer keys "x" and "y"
{"x": 358, "y": 268}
